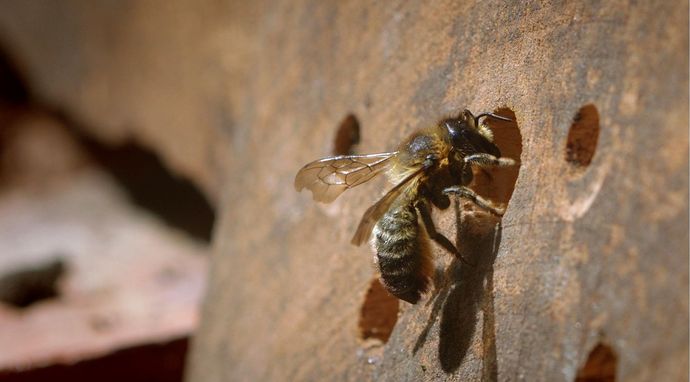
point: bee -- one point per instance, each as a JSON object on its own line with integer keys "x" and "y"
{"x": 427, "y": 167}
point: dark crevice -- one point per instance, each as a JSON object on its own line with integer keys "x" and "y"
{"x": 14, "y": 89}
{"x": 151, "y": 185}
{"x": 141, "y": 173}
{"x": 162, "y": 362}
{"x": 24, "y": 287}
{"x": 14, "y": 92}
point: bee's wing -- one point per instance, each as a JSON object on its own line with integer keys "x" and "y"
{"x": 329, "y": 177}
{"x": 375, "y": 212}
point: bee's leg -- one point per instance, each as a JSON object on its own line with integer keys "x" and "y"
{"x": 484, "y": 159}
{"x": 434, "y": 235}
{"x": 435, "y": 195}
{"x": 467, "y": 193}
{"x": 432, "y": 192}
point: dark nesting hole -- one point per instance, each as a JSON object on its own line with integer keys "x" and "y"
{"x": 347, "y": 136}
{"x": 600, "y": 365}
{"x": 379, "y": 313}
{"x": 583, "y": 137}
{"x": 26, "y": 286}
{"x": 497, "y": 184}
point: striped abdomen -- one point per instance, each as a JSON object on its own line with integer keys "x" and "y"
{"x": 403, "y": 254}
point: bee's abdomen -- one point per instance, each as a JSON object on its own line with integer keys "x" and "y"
{"x": 403, "y": 254}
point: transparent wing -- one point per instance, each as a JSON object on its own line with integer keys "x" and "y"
{"x": 375, "y": 212}
{"x": 329, "y": 177}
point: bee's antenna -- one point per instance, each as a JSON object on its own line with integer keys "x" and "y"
{"x": 492, "y": 115}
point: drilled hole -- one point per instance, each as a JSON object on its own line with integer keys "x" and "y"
{"x": 27, "y": 286}
{"x": 379, "y": 313}
{"x": 347, "y": 136}
{"x": 497, "y": 184}
{"x": 583, "y": 137}
{"x": 600, "y": 365}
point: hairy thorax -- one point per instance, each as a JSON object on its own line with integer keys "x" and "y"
{"x": 416, "y": 148}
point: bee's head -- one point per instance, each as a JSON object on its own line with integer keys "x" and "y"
{"x": 459, "y": 127}
{"x": 467, "y": 129}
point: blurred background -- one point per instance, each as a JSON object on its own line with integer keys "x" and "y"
{"x": 104, "y": 245}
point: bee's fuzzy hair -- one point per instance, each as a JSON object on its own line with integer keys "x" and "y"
{"x": 485, "y": 131}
